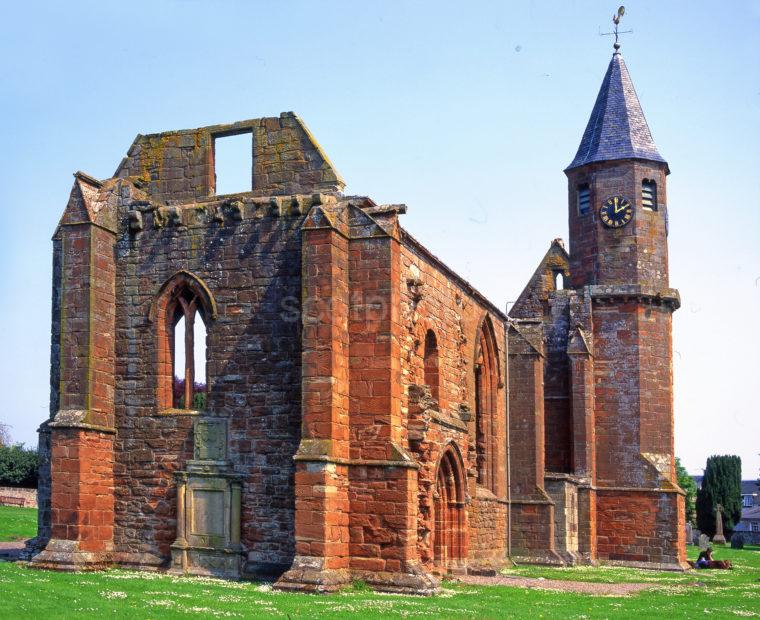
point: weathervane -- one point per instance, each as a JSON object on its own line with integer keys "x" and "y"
{"x": 616, "y": 32}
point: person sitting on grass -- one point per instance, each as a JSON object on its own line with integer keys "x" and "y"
{"x": 705, "y": 560}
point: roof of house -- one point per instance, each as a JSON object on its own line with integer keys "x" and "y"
{"x": 617, "y": 128}
{"x": 749, "y": 487}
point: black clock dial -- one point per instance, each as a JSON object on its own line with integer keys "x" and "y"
{"x": 616, "y": 212}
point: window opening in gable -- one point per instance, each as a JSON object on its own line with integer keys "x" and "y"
{"x": 233, "y": 163}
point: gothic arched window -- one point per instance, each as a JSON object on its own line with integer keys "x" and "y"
{"x": 486, "y": 406}
{"x": 188, "y": 335}
{"x": 182, "y": 313}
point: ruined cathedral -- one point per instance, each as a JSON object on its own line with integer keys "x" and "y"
{"x": 357, "y": 409}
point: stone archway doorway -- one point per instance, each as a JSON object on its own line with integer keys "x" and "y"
{"x": 449, "y": 535}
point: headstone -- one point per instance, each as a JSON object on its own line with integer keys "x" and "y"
{"x": 689, "y": 535}
{"x": 704, "y": 541}
{"x": 719, "y": 539}
{"x": 737, "y": 541}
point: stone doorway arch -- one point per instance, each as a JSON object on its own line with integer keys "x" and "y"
{"x": 450, "y": 531}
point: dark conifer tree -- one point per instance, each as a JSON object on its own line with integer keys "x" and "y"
{"x": 721, "y": 485}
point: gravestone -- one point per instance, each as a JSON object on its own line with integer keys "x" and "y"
{"x": 704, "y": 541}
{"x": 689, "y": 534}
{"x": 719, "y": 538}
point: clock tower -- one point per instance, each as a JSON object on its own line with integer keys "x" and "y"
{"x": 618, "y": 221}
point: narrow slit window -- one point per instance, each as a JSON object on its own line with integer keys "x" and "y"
{"x": 584, "y": 199}
{"x": 233, "y": 163}
{"x": 649, "y": 195}
{"x": 431, "y": 364}
{"x": 559, "y": 280}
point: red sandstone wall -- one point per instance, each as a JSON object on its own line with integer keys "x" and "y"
{"x": 102, "y": 313}
{"x": 382, "y": 528}
{"x": 488, "y": 531}
{"x": 431, "y": 299}
{"x": 322, "y": 500}
{"x": 655, "y": 353}
{"x": 82, "y": 502}
{"x": 73, "y": 364}
{"x": 455, "y": 316}
{"x": 641, "y": 527}
{"x": 633, "y": 394}
{"x": 617, "y": 390}
{"x": 373, "y": 324}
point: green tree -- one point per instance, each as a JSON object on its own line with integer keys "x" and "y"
{"x": 721, "y": 484}
{"x": 18, "y": 466}
{"x": 686, "y": 482}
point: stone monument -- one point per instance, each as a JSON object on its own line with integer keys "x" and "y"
{"x": 719, "y": 538}
{"x": 208, "y": 507}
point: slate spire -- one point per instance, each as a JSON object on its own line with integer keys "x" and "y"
{"x": 617, "y": 128}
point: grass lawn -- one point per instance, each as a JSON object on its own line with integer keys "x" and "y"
{"x": 123, "y": 594}
{"x": 17, "y": 523}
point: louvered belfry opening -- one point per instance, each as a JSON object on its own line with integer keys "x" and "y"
{"x": 584, "y": 198}
{"x": 649, "y": 194}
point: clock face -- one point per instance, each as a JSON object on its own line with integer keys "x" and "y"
{"x": 616, "y": 212}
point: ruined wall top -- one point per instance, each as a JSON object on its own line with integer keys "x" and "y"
{"x": 178, "y": 166}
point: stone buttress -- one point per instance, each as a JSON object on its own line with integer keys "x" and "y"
{"x": 77, "y": 495}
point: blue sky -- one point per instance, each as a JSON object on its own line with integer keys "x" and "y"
{"x": 467, "y": 112}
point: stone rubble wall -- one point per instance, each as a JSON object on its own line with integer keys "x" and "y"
{"x": 28, "y": 495}
{"x": 248, "y": 254}
{"x": 179, "y": 165}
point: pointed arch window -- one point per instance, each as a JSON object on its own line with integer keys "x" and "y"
{"x": 487, "y": 429}
{"x": 432, "y": 377}
{"x": 182, "y": 312}
{"x": 188, "y": 354}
